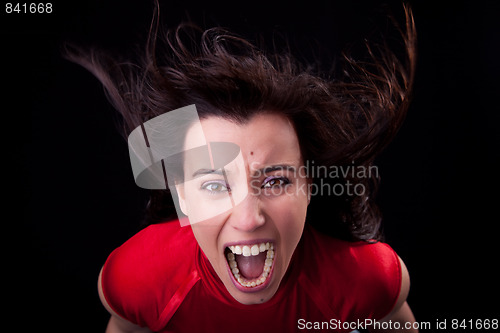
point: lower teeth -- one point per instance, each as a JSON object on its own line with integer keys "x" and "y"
{"x": 254, "y": 282}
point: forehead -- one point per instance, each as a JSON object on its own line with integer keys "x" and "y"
{"x": 266, "y": 138}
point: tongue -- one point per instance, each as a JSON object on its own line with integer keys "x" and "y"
{"x": 252, "y": 266}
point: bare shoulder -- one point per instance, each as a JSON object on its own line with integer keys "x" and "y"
{"x": 401, "y": 312}
{"x": 405, "y": 284}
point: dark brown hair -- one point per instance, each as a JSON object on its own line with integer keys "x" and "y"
{"x": 342, "y": 121}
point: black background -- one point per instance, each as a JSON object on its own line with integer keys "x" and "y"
{"x": 75, "y": 200}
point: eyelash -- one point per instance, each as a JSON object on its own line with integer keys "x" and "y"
{"x": 205, "y": 186}
{"x": 285, "y": 181}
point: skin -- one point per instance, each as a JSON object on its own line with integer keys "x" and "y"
{"x": 256, "y": 212}
{"x": 261, "y": 214}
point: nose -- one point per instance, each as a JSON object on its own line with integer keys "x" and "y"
{"x": 247, "y": 216}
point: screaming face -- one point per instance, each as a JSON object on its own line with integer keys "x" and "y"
{"x": 251, "y": 241}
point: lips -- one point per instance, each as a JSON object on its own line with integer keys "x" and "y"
{"x": 250, "y": 265}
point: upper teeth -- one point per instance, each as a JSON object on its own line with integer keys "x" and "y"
{"x": 250, "y": 250}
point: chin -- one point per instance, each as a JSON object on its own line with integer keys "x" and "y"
{"x": 258, "y": 297}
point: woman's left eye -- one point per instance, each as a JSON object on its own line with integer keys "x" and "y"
{"x": 275, "y": 181}
{"x": 214, "y": 187}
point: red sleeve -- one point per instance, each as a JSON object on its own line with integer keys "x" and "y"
{"x": 141, "y": 277}
{"x": 379, "y": 279}
{"x": 357, "y": 281}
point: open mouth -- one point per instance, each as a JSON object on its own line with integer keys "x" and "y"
{"x": 250, "y": 265}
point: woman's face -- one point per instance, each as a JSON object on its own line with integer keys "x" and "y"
{"x": 264, "y": 199}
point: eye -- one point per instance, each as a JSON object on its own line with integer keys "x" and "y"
{"x": 215, "y": 187}
{"x": 275, "y": 182}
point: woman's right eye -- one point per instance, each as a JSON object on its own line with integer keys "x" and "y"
{"x": 215, "y": 187}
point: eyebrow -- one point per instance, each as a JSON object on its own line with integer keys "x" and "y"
{"x": 272, "y": 168}
{"x": 207, "y": 172}
{"x": 261, "y": 171}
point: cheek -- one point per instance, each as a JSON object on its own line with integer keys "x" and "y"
{"x": 206, "y": 234}
{"x": 294, "y": 227}
{"x": 201, "y": 206}
{"x": 289, "y": 218}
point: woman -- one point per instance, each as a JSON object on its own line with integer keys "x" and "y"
{"x": 257, "y": 244}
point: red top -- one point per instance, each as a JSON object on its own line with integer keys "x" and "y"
{"x": 161, "y": 279}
